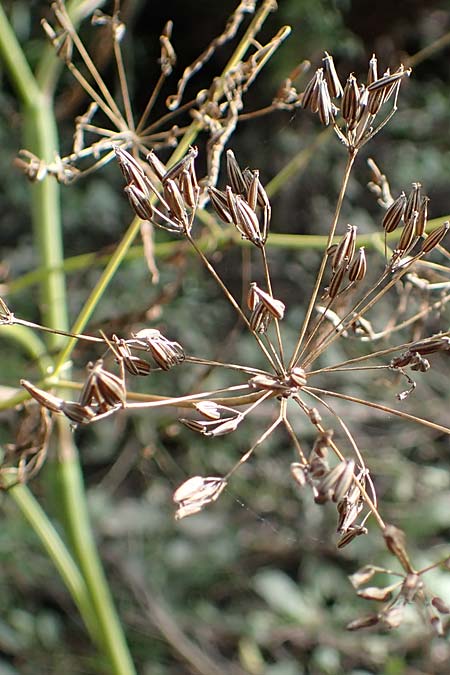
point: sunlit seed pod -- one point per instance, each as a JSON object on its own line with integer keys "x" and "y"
{"x": 314, "y": 416}
{"x": 252, "y": 190}
{"x": 248, "y": 223}
{"x": 298, "y": 473}
{"x": 175, "y": 200}
{"x": 413, "y": 202}
{"x": 188, "y": 489}
{"x": 156, "y": 165}
{"x": 363, "y": 622}
{"x": 209, "y": 409}
{"x": 298, "y": 376}
{"x": 345, "y": 249}
{"x": 358, "y": 268}
{"x": 132, "y": 171}
{"x": 331, "y": 76}
{"x": 396, "y": 542}
{"x": 260, "y": 318}
{"x": 422, "y": 217}
{"x": 136, "y": 366}
{"x": 344, "y": 481}
{"x": 363, "y": 575}
{"x": 252, "y": 296}
{"x": 275, "y": 307}
{"x": 372, "y": 75}
{"x": 319, "y": 467}
{"x": 336, "y": 280}
{"x": 440, "y": 605}
{"x": 310, "y": 97}
{"x": 435, "y": 238}
{"x": 226, "y": 427}
{"x": 375, "y": 100}
{"x": 394, "y": 214}
{"x": 234, "y": 172}
{"x": 330, "y": 481}
{"x": 350, "y": 101}
{"x": 419, "y": 363}
{"x": 193, "y": 425}
{"x": 408, "y": 235}
{"x": 262, "y": 198}
{"x": 182, "y": 164}
{"x": 350, "y": 535}
{"x": 376, "y": 593}
{"x": 266, "y": 382}
{"x": 139, "y": 202}
{"x": 325, "y": 108}
{"x": 232, "y": 205}
{"x": 187, "y": 189}
{"x": 393, "y": 617}
{"x": 77, "y": 413}
{"x": 437, "y": 625}
{"x": 53, "y": 403}
{"x": 220, "y": 204}
{"x": 431, "y": 346}
{"x": 388, "y": 80}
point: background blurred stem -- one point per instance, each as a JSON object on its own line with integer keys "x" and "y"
{"x": 41, "y": 138}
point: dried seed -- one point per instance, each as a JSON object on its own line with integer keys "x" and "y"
{"x": 184, "y": 163}
{"x": 430, "y": 346}
{"x": 329, "y": 482}
{"x": 139, "y": 202}
{"x": 260, "y": 319}
{"x": 336, "y": 280}
{"x": 187, "y": 189}
{"x": 358, "y": 268}
{"x": 376, "y": 593}
{"x": 248, "y": 223}
{"x": 345, "y": 249}
{"x": 298, "y": 473}
{"x": 331, "y": 76}
{"x": 220, "y": 204}
{"x": 325, "y": 105}
{"x": 396, "y": 542}
{"x": 392, "y": 617}
{"x": 350, "y": 101}
{"x": 422, "y": 218}
{"x": 130, "y": 167}
{"x": 235, "y": 174}
{"x": 352, "y": 533}
{"x": 435, "y": 238}
{"x": 385, "y": 83}
{"x": 175, "y": 201}
{"x": 53, "y": 403}
{"x": 274, "y": 307}
{"x": 156, "y": 165}
{"x": 440, "y": 605}
{"x": 372, "y": 75}
{"x": 394, "y": 214}
{"x": 77, "y": 413}
{"x": 310, "y": 97}
{"x": 298, "y": 376}
{"x": 408, "y": 236}
{"x": 413, "y": 202}
{"x": 344, "y": 481}
{"x": 363, "y": 622}
{"x": 363, "y": 575}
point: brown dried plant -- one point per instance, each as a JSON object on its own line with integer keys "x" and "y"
{"x": 348, "y": 288}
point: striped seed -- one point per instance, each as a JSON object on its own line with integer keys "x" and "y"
{"x": 235, "y": 174}
{"x": 394, "y": 214}
{"x": 435, "y": 238}
{"x": 331, "y": 76}
{"x": 350, "y": 101}
{"x": 358, "y": 268}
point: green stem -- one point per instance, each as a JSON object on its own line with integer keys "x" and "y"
{"x": 41, "y": 135}
{"x": 58, "y": 553}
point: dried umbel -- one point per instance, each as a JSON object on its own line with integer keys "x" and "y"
{"x": 360, "y": 103}
{"x": 292, "y": 371}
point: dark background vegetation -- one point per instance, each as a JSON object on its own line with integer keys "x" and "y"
{"x": 255, "y": 579}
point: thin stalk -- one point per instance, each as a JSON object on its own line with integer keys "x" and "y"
{"x": 383, "y": 408}
{"x": 350, "y": 161}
